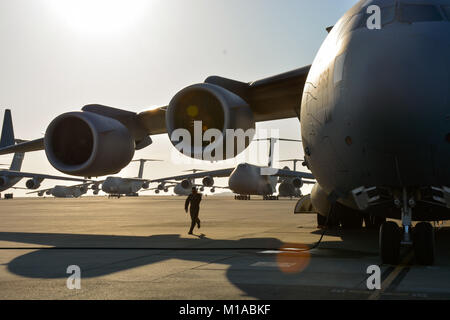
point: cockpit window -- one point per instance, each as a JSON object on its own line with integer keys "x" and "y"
{"x": 446, "y": 10}
{"x": 411, "y": 13}
{"x": 387, "y": 15}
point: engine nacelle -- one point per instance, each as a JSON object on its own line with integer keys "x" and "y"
{"x": 297, "y": 182}
{"x": 161, "y": 186}
{"x": 208, "y": 181}
{"x": 33, "y": 184}
{"x": 319, "y": 200}
{"x": 83, "y": 190}
{"x": 186, "y": 184}
{"x": 217, "y": 109}
{"x": 87, "y": 144}
{"x": 4, "y": 181}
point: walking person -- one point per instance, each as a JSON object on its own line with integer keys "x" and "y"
{"x": 193, "y": 200}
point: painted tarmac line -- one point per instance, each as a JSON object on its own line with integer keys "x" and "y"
{"x": 399, "y": 270}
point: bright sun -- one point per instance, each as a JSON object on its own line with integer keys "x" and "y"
{"x": 99, "y": 16}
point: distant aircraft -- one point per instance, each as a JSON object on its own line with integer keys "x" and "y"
{"x": 183, "y": 188}
{"x": 374, "y": 113}
{"x": 9, "y": 178}
{"x": 117, "y": 186}
{"x": 291, "y": 187}
{"x": 246, "y": 179}
{"x": 64, "y": 191}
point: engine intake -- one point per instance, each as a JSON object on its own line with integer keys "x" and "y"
{"x": 208, "y": 181}
{"x": 4, "y": 181}
{"x": 201, "y": 107}
{"x": 186, "y": 184}
{"x": 88, "y": 144}
{"x": 33, "y": 184}
{"x": 297, "y": 182}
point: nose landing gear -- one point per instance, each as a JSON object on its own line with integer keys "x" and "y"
{"x": 421, "y": 238}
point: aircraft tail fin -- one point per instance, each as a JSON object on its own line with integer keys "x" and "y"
{"x": 7, "y": 139}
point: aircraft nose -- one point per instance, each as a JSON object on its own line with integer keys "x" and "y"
{"x": 399, "y": 106}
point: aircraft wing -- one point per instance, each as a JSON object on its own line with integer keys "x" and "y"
{"x": 290, "y": 174}
{"x": 273, "y": 98}
{"x": 41, "y": 190}
{"x": 216, "y": 173}
{"x": 29, "y": 146}
{"x": 20, "y": 174}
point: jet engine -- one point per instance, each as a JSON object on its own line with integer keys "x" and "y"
{"x": 297, "y": 182}
{"x": 161, "y": 186}
{"x": 4, "y": 181}
{"x": 33, "y": 184}
{"x": 83, "y": 190}
{"x": 88, "y": 144}
{"x": 201, "y": 107}
{"x": 186, "y": 184}
{"x": 208, "y": 181}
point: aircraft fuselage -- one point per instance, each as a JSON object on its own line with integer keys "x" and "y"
{"x": 376, "y": 106}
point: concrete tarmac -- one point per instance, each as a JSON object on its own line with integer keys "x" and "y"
{"x": 138, "y": 248}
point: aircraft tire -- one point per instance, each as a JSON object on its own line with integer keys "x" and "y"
{"x": 389, "y": 241}
{"x": 424, "y": 243}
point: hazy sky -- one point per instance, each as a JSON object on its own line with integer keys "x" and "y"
{"x": 59, "y": 55}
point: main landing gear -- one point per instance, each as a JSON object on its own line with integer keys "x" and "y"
{"x": 421, "y": 238}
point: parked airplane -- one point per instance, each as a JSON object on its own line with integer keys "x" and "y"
{"x": 373, "y": 108}
{"x": 64, "y": 191}
{"x": 291, "y": 187}
{"x": 9, "y": 178}
{"x": 117, "y": 186}
{"x": 245, "y": 179}
{"x": 183, "y": 188}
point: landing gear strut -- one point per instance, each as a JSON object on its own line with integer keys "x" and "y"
{"x": 421, "y": 238}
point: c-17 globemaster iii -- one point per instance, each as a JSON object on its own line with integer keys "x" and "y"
{"x": 374, "y": 113}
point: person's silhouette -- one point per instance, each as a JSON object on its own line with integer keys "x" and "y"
{"x": 194, "y": 200}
